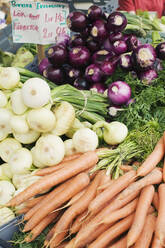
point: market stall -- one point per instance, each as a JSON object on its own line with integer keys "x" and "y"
{"x": 82, "y": 128}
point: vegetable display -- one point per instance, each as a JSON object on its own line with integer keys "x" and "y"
{"x": 82, "y": 145}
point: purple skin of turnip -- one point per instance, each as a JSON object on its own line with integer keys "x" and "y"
{"x": 92, "y": 44}
{"x": 125, "y": 62}
{"x": 77, "y": 21}
{"x": 158, "y": 65}
{"x": 107, "y": 45}
{"x": 98, "y": 30}
{"x": 62, "y": 39}
{"x": 98, "y": 87}
{"x": 93, "y": 73}
{"x": 72, "y": 74}
{"x": 119, "y": 47}
{"x": 133, "y": 42}
{"x": 57, "y": 55}
{"x": 160, "y": 50}
{"x": 76, "y": 40}
{"x": 108, "y": 68}
{"x": 144, "y": 57}
{"x": 148, "y": 76}
{"x": 55, "y": 75}
{"x": 119, "y": 92}
{"x": 95, "y": 13}
{"x": 115, "y": 36}
{"x": 81, "y": 84}
{"x": 116, "y": 22}
{"x": 100, "y": 56}
{"x": 43, "y": 65}
{"x": 79, "y": 56}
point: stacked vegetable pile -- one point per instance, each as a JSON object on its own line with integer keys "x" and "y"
{"x": 94, "y": 210}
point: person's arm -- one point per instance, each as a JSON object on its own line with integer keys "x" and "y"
{"x": 127, "y": 5}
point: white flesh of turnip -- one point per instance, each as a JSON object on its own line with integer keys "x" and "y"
{"x": 19, "y": 124}
{"x": 36, "y": 93}
{"x": 27, "y": 138}
{"x": 20, "y": 161}
{"x": 7, "y": 190}
{"x": 3, "y": 99}
{"x": 7, "y": 147}
{"x": 41, "y": 120}
{"x": 9, "y": 77}
{"x": 17, "y": 103}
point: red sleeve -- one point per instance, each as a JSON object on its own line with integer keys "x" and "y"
{"x": 127, "y": 5}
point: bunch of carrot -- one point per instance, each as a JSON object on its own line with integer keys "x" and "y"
{"x": 94, "y": 210}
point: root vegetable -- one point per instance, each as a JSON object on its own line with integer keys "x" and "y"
{"x": 71, "y": 168}
{"x": 49, "y": 150}
{"x": 7, "y": 191}
{"x": 6, "y": 215}
{"x": 65, "y": 115}
{"x": 8, "y": 147}
{"x": 9, "y": 77}
{"x": 5, "y": 127}
{"x": 27, "y": 138}
{"x": 19, "y": 124}
{"x": 20, "y": 161}
{"x": 3, "y": 99}
{"x": 17, "y": 103}
{"x": 41, "y": 120}
{"x": 85, "y": 140}
{"x": 35, "y": 93}
{"x": 69, "y": 147}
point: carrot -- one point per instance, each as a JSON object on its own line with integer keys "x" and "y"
{"x": 155, "y": 200}
{"x": 152, "y": 160}
{"x": 88, "y": 232}
{"x": 122, "y": 243}
{"x": 154, "y": 177}
{"x": 63, "y": 244}
{"x": 143, "y": 205}
{"x": 23, "y": 210}
{"x": 70, "y": 244}
{"x": 126, "y": 168}
{"x": 32, "y": 202}
{"x": 160, "y": 223}
{"x": 121, "y": 213}
{"x": 79, "y": 207}
{"x": 46, "y": 199}
{"x": 75, "y": 198}
{"x": 49, "y": 170}
{"x": 41, "y": 226}
{"x": 145, "y": 238}
{"x": 113, "y": 232}
{"x": 76, "y": 185}
{"x": 156, "y": 243}
{"x": 71, "y": 168}
{"x": 75, "y": 227}
{"x": 118, "y": 185}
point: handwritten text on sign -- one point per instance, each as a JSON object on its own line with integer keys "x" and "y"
{"x": 38, "y": 22}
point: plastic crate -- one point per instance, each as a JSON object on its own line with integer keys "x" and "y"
{"x": 6, "y": 232}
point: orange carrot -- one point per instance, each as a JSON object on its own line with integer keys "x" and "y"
{"x": 143, "y": 205}
{"x": 118, "y": 185}
{"x": 70, "y": 244}
{"x": 122, "y": 243}
{"x": 160, "y": 223}
{"x": 126, "y": 168}
{"x": 145, "y": 237}
{"x": 76, "y": 185}
{"x": 121, "y": 213}
{"x": 154, "y": 177}
{"x": 79, "y": 207}
{"x": 32, "y": 202}
{"x": 75, "y": 227}
{"x": 23, "y": 210}
{"x": 72, "y": 168}
{"x": 152, "y": 160}
{"x": 156, "y": 243}
{"x": 113, "y": 232}
{"x": 75, "y": 198}
{"x": 49, "y": 170}
{"x": 49, "y": 197}
{"x": 41, "y": 226}
{"x": 89, "y": 232}
{"x": 155, "y": 200}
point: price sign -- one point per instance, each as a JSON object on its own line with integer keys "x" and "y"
{"x": 38, "y": 22}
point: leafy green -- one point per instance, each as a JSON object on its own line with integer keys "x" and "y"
{"x": 137, "y": 146}
{"x": 149, "y": 100}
